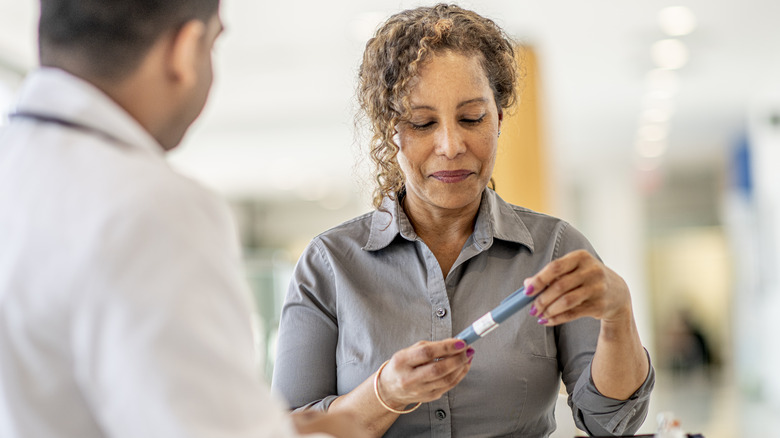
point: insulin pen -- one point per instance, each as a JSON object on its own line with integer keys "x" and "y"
{"x": 484, "y": 325}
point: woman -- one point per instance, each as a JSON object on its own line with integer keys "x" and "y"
{"x": 440, "y": 251}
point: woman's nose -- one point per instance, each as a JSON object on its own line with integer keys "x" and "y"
{"x": 449, "y": 142}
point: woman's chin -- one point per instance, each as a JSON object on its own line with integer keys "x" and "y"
{"x": 457, "y": 201}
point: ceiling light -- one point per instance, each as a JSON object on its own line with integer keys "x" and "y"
{"x": 669, "y": 54}
{"x": 657, "y": 115}
{"x": 654, "y": 132}
{"x": 676, "y": 20}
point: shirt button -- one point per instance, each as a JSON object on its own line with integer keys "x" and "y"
{"x": 440, "y": 414}
{"x": 440, "y": 312}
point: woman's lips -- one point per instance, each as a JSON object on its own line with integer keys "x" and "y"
{"x": 451, "y": 176}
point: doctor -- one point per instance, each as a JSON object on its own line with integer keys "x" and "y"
{"x": 123, "y": 311}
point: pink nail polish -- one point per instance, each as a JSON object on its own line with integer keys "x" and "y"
{"x": 529, "y": 290}
{"x": 469, "y": 352}
{"x": 460, "y": 345}
{"x": 542, "y": 321}
{"x": 533, "y": 311}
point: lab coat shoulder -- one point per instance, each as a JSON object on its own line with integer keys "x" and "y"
{"x": 164, "y": 232}
{"x": 167, "y": 313}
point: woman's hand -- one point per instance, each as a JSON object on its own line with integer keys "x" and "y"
{"x": 424, "y": 372}
{"x": 578, "y": 285}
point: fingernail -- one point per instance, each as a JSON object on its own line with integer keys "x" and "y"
{"x": 470, "y": 359}
{"x": 529, "y": 290}
{"x": 460, "y": 345}
{"x": 469, "y": 352}
{"x": 533, "y": 310}
{"x": 542, "y": 321}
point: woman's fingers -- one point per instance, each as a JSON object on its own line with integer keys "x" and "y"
{"x": 577, "y": 285}
{"x": 449, "y": 381}
{"x": 425, "y": 371}
{"x": 425, "y": 352}
{"x": 568, "y": 307}
{"x": 553, "y": 271}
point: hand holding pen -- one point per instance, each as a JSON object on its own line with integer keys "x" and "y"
{"x": 577, "y": 285}
{"x": 571, "y": 287}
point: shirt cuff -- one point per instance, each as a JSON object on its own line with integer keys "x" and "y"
{"x": 318, "y": 405}
{"x": 598, "y": 414}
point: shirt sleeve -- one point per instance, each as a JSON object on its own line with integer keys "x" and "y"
{"x": 601, "y": 415}
{"x": 592, "y": 411}
{"x": 305, "y": 368}
{"x": 162, "y": 334}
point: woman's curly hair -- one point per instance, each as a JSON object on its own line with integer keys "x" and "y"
{"x": 392, "y": 59}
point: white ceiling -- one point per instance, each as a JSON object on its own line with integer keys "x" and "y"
{"x": 279, "y": 120}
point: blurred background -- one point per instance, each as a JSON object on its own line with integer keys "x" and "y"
{"x": 653, "y": 127}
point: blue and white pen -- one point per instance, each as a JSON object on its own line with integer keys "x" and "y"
{"x": 484, "y": 325}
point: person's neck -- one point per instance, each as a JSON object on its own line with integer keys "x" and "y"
{"x": 438, "y": 226}
{"x": 142, "y": 92}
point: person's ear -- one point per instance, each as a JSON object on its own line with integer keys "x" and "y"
{"x": 185, "y": 52}
{"x": 500, "y": 118}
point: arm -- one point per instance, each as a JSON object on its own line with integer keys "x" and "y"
{"x": 579, "y": 285}
{"x": 613, "y": 389}
{"x": 593, "y": 411}
{"x": 338, "y": 425}
{"x": 305, "y": 369}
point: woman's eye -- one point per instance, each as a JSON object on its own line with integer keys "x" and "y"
{"x": 423, "y": 125}
{"x": 473, "y": 121}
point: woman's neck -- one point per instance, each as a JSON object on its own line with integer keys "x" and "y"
{"x": 444, "y": 231}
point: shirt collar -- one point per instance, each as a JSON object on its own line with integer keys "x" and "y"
{"x": 57, "y": 94}
{"x": 387, "y": 222}
{"x": 495, "y": 219}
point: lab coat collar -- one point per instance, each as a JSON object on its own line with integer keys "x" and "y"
{"x": 53, "y": 93}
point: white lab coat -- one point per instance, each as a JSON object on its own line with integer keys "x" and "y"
{"x": 123, "y": 308}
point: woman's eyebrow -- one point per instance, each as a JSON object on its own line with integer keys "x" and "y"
{"x": 470, "y": 101}
{"x": 464, "y": 103}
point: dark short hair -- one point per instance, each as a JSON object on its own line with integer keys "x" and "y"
{"x": 112, "y": 36}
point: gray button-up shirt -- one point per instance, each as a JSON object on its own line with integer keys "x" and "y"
{"x": 370, "y": 287}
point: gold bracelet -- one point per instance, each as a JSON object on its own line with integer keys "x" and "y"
{"x": 381, "y": 402}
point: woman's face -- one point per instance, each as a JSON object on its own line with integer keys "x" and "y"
{"x": 448, "y": 145}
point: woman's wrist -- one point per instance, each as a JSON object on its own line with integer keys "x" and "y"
{"x": 618, "y": 327}
{"x": 382, "y": 401}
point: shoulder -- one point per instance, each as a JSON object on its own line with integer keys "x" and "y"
{"x": 166, "y": 200}
{"x": 342, "y": 242}
{"x": 139, "y": 198}
{"x": 351, "y": 232}
{"x": 540, "y": 222}
{"x": 545, "y": 230}
{"x": 499, "y": 207}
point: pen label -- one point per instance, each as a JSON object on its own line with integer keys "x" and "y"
{"x": 484, "y": 325}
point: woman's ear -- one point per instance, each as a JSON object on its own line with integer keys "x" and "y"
{"x": 185, "y": 53}
{"x": 500, "y": 118}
